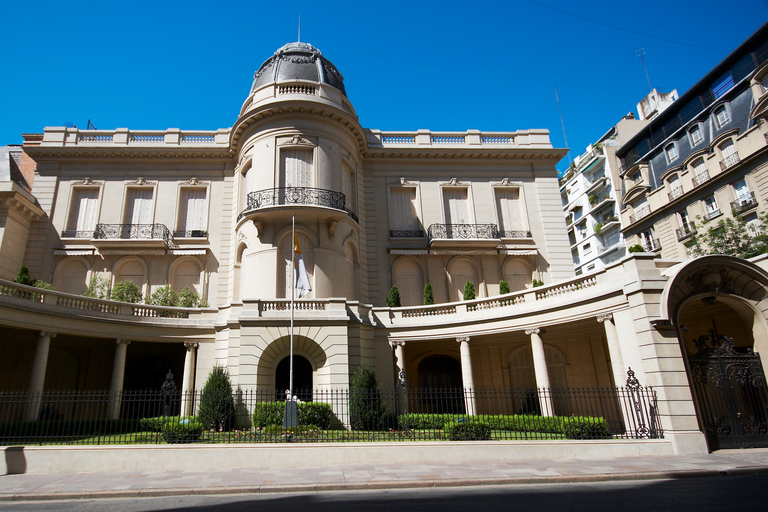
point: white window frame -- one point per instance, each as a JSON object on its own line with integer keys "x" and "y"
{"x": 128, "y": 191}
{"x": 720, "y": 122}
{"x": 711, "y": 208}
{"x": 700, "y": 130}
{"x": 671, "y": 152}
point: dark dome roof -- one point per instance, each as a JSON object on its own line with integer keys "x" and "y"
{"x": 298, "y": 61}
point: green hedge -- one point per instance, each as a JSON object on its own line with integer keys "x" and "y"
{"x": 153, "y": 424}
{"x": 464, "y": 429}
{"x": 267, "y": 414}
{"x": 574, "y": 427}
{"x": 182, "y": 430}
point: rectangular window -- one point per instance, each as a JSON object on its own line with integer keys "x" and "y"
{"x": 710, "y": 207}
{"x": 138, "y": 208}
{"x": 83, "y": 212}
{"x": 586, "y": 249}
{"x": 456, "y": 206}
{"x": 671, "y": 152}
{"x": 192, "y": 211}
{"x": 741, "y": 190}
{"x": 297, "y": 168}
{"x": 403, "y": 219}
{"x": 508, "y": 207}
{"x": 722, "y": 116}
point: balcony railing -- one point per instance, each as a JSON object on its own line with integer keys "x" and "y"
{"x": 712, "y": 214}
{"x": 652, "y": 245}
{"x": 463, "y": 231}
{"x": 77, "y": 234}
{"x": 743, "y": 203}
{"x": 685, "y": 233}
{"x": 306, "y": 196}
{"x": 194, "y": 233}
{"x": 640, "y": 213}
{"x": 514, "y": 233}
{"x": 700, "y": 178}
{"x": 676, "y": 192}
{"x": 133, "y": 232}
{"x": 729, "y": 161}
{"x": 406, "y": 233}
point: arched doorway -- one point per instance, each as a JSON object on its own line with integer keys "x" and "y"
{"x": 440, "y": 385}
{"x": 302, "y": 378}
{"x": 717, "y": 306}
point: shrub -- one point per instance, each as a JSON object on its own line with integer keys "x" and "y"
{"x": 164, "y": 296}
{"x": 126, "y": 291}
{"x": 598, "y": 228}
{"x": 592, "y": 199}
{"x": 217, "y": 406}
{"x": 467, "y": 429}
{"x": 270, "y": 414}
{"x": 423, "y": 421}
{"x": 188, "y": 298}
{"x": 581, "y": 427}
{"x": 536, "y": 283}
{"x": 429, "y": 297}
{"x": 23, "y": 277}
{"x": 98, "y": 288}
{"x": 503, "y": 287}
{"x": 635, "y": 248}
{"x": 366, "y": 410}
{"x": 182, "y": 430}
{"x": 393, "y": 299}
{"x": 469, "y": 291}
{"x": 153, "y": 424}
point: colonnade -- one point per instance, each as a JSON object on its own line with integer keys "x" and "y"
{"x": 40, "y": 366}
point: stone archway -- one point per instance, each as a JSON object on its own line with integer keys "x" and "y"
{"x": 269, "y": 372}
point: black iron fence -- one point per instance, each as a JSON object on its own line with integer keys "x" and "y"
{"x": 140, "y": 417}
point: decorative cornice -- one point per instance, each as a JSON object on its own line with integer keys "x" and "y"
{"x": 88, "y": 181}
{"x": 194, "y": 182}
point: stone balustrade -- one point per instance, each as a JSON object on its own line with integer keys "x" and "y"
{"x": 427, "y": 138}
{"x": 66, "y": 136}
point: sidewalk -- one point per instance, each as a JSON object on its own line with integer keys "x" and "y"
{"x": 376, "y": 476}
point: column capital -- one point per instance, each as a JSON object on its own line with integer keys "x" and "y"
{"x": 396, "y": 343}
{"x": 535, "y": 330}
{"x": 48, "y": 334}
{"x": 122, "y": 341}
{"x": 604, "y": 316}
{"x": 462, "y": 339}
{"x": 189, "y": 345}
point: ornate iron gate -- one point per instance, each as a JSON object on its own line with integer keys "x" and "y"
{"x": 731, "y": 393}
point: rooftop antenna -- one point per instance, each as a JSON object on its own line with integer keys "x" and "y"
{"x": 562, "y": 123}
{"x": 640, "y": 54}
{"x": 299, "y": 40}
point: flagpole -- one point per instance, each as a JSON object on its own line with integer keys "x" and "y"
{"x": 293, "y": 279}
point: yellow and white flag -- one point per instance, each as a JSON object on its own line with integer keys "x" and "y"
{"x": 302, "y": 279}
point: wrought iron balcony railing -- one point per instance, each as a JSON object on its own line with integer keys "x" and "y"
{"x": 194, "y": 233}
{"x": 296, "y": 196}
{"x": 652, "y": 245}
{"x": 77, "y": 234}
{"x": 406, "y": 233}
{"x": 743, "y": 203}
{"x": 685, "y": 233}
{"x": 729, "y": 161}
{"x": 133, "y": 232}
{"x": 700, "y": 178}
{"x": 515, "y": 233}
{"x": 463, "y": 231}
{"x": 676, "y": 192}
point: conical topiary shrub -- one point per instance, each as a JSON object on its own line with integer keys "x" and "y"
{"x": 429, "y": 297}
{"x": 469, "y": 291}
{"x": 366, "y": 409}
{"x": 217, "y": 405}
{"x": 393, "y": 299}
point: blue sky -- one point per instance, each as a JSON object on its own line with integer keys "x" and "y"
{"x": 443, "y": 66}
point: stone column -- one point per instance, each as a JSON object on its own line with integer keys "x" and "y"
{"x": 188, "y": 380}
{"x": 402, "y": 379}
{"x": 541, "y": 372}
{"x": 468, "y": 381}
{"x": 617, "y": 367}
{"x": 37, "y": 380}
{"x": 118, "y": 375}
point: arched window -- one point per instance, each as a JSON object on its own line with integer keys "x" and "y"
{"x": 461, "y": 272}
{"x": 72, "y": 277}
{"x": 186, "y": 274}
{"x": 409, "y": 282}
{"x": 132, "y": 270}
{"x": 286, "y": 252}
{"x": 518, "y": 274}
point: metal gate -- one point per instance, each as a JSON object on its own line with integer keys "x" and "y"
{"x": 731, "y": 393}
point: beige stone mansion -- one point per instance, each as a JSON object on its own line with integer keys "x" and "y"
{"x": 213, "y": 210}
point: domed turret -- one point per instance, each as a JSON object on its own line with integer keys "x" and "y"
{"x": 298, "y": 61}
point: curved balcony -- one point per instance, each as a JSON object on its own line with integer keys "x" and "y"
{"x": 295, "y": 196}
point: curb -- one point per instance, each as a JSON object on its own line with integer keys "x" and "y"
{"x": 405, "y": 484}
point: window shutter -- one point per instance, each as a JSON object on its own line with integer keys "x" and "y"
{"x": 298, "y": 167}
{"x": 507, "y": 202}
{"x": 455, "y": 206}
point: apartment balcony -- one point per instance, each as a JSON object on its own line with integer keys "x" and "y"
{"x": 685, "y": 233}
{"x": 464, "y": 234}
{"x": 676, "y": 192}
{"x": 729, "y": 161}
{"x": 137, "y": 235}
{"x": 640, "y": 213}
{"x": 712, "y": 214}
{"x": 273, "y": 203}
{"x": 700, "y": 178}
{"x": 652, "y": 245}
{"x": 744, "y": 203}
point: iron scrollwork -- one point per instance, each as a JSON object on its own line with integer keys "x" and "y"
{"x": 463, "y": 231}
{"x": 133, "y": 231}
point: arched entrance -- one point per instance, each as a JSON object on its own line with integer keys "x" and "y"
{"x": 440, "y": 385}
{"x": 717, "y": 305}
{"x": 302, "y": 378}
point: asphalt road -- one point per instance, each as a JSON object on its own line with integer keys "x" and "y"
{"x": 729, "y": 493}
